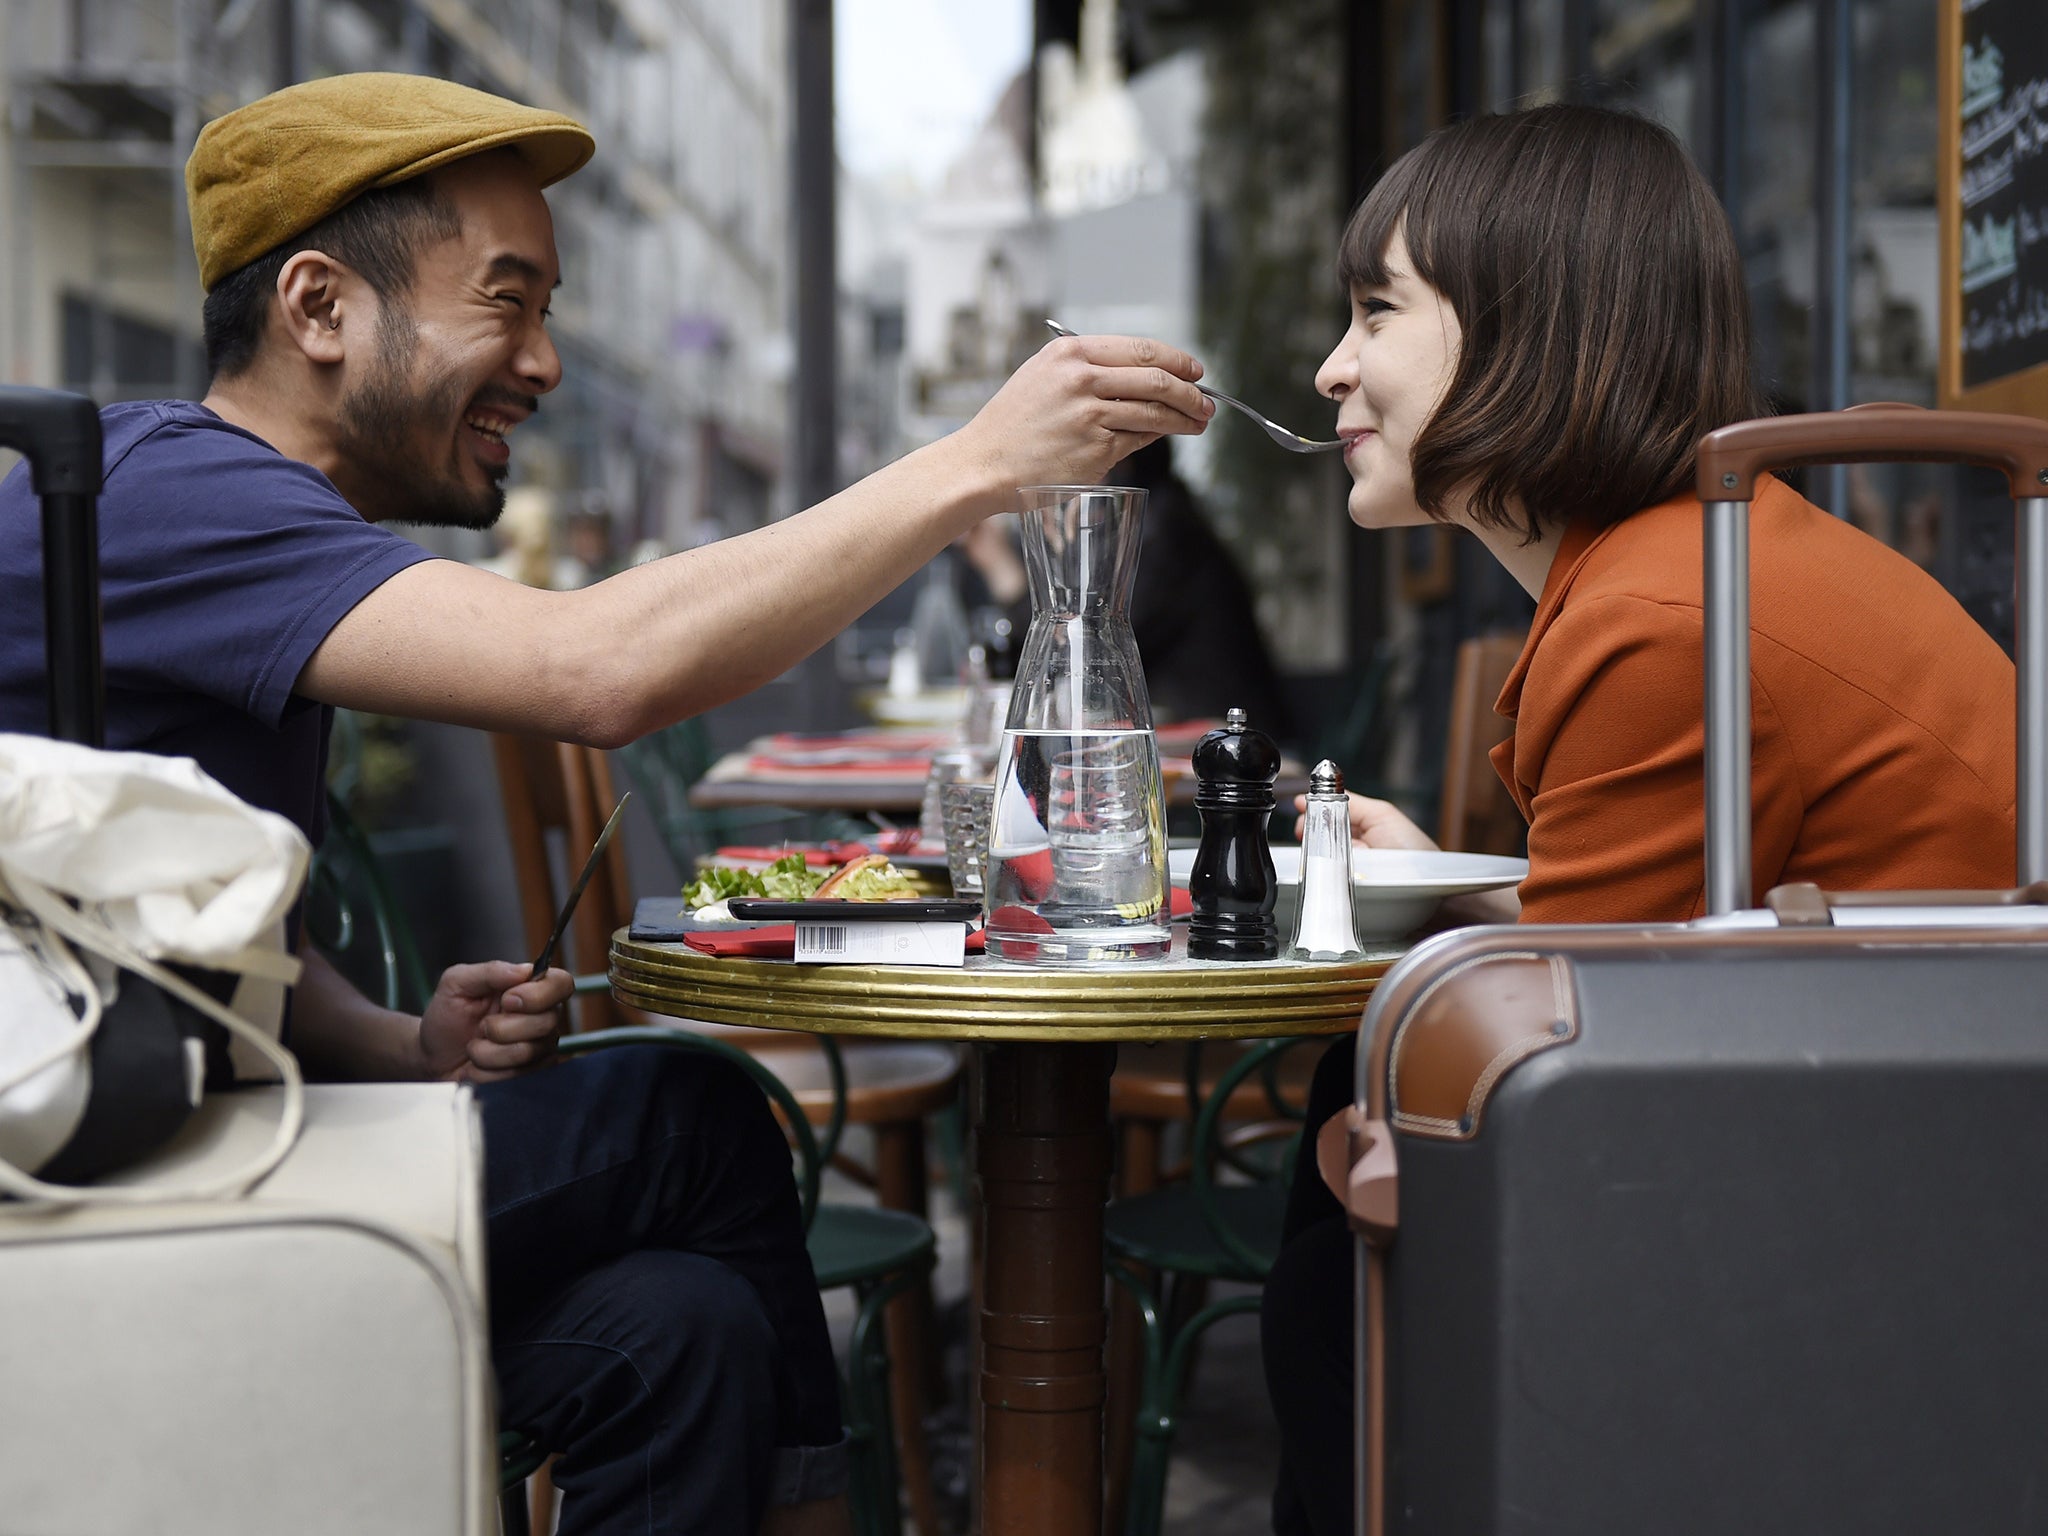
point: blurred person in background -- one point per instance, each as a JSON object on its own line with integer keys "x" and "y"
{"x": 378, "y": 261}
{"x": 525, "y": 536}
{"x": 587, "y": 555}
{"x": 1191, "y": 608}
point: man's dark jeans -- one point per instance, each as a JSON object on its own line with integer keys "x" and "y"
{"x": 654, "y": 1315}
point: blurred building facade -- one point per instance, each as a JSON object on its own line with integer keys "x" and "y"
{"x": 673, "y": 316}
{"x": 1074, "y": 200}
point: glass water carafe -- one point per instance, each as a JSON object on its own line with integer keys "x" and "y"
{"x": 1077, "y": 837}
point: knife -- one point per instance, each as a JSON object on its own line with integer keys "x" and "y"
{"x": 547, "y": 951}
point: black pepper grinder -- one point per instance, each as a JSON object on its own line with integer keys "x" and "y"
{"x": 1232, "y": 882}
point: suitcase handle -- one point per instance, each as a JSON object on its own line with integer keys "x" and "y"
{"x": 1729, "y": 462}
{"x": 59, "y": 435}
{"x": 1732, "y": 458}
{"x": 1805, "y": 905}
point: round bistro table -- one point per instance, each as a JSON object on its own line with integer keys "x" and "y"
{"x": 1047, "y": 1041}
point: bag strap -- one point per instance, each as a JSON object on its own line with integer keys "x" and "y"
{"x": 61, "y": 921}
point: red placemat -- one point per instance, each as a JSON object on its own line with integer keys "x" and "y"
{"x": 764, "y": 765}
{"x": 774, "y": 942}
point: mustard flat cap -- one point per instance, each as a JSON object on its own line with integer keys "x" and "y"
{"x": 273, "y": 169}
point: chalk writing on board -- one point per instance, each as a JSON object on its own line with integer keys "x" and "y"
{"x": 2002, "y": 190}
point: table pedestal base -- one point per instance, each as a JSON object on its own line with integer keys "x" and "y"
{"x": 1043, "y": 1161}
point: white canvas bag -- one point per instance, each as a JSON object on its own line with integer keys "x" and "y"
{"x": 114, "y": 865}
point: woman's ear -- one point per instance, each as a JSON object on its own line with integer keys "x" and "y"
{"x": 311, "y": 306}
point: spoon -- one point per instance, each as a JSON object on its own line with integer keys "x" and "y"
{"x": 1293, "y": 442}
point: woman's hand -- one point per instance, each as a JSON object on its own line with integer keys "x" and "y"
{"x": 1374, "y": 824}
{"x": 488, "y": 1021}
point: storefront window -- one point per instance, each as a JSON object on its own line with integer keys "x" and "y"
{"x": 1416, "y": 104}
{"x": 1894, "y": 302}
{"x": 1894, "y": 309}
{"x": 1642, "y": 58}
{"x": 1543, "y": 52}
{"x": 1773, "y": 193}
{"x": 1499, "y": 86}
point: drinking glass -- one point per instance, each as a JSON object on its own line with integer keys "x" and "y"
{"x": 966, "y": 808}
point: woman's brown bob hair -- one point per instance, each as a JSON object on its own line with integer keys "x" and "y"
{"x": 1606, "y": 326}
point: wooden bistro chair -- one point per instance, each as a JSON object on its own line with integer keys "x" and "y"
{"x": 1476, "y": 812}
{"x": 565, "y": 792}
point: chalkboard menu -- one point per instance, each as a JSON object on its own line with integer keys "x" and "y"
{"x": 1995, "y": 185}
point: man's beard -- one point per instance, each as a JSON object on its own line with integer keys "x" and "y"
{"x": 380, "y": 423}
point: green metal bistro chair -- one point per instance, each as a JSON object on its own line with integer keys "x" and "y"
{"x": 1189, "y": 1234}
{"x": 354, "y": 918}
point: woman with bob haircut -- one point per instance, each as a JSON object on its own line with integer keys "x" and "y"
{"x": 1547, "y": 314}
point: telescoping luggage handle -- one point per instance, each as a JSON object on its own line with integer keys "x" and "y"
{"x": 59, "y": 435}
{"x": 1729, "y": 462}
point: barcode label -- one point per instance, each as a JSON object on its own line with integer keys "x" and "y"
{"x": 845, "y": 943}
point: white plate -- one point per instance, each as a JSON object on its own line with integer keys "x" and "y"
{"x": 936, "y": 706}
{"x": 1394, "y": 890}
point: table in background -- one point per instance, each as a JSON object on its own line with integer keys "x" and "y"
{"x": 766, "y": 772}
{"x": 1043, "y": 1149}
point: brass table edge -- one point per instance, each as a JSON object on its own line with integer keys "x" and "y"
{"x": 665, "y": 959}
{"x": 905, "y": 1002}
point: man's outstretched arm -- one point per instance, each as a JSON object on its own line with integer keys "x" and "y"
{"x": 672, "y": 638}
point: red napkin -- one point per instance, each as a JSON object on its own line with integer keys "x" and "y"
{"x": 821, "y": 857}
{"x": 1185, "y": 733}
{"x": 867, "y": 768}
{"x": 775, "y": 942}
{"x": 802, "y": 742}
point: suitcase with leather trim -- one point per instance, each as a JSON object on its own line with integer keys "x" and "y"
{"x": 1732, "y": 1225}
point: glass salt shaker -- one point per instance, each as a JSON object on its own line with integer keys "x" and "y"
{"x": 1325, "y": 929}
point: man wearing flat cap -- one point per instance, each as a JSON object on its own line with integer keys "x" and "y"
{"x": 378, "y": 261}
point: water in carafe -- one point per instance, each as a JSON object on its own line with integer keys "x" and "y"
{"x": 1077, "y": 838}
{"x": 1077, "y": 842}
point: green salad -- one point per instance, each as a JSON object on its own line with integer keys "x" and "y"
{"x": 787, "y": 879}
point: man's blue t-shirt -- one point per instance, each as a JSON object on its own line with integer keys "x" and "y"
{"x": 223, "y": 565}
